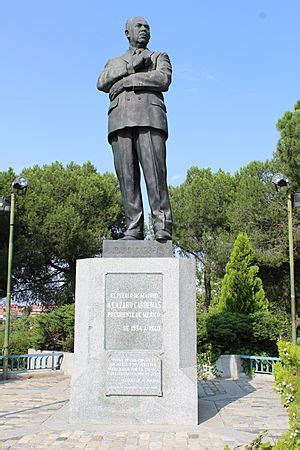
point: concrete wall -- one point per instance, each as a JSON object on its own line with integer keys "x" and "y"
{"x": 67, "y": 364}
{"x": 227, "y": 366}
{"x": 230, "y": 366}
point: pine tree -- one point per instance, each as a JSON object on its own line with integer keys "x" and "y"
{"x": 241, "y": 289}
{"x": 288, "y": 146}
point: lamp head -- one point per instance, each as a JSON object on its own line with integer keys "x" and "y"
{"x": 280, "y": 180}
{"x": 20, "y": 185}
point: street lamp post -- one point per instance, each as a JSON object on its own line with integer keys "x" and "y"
{"x": 18, "y": 186}
{"x": 8, "y": 288}
{"x": 292, "y": 276}
{"x": 280, "y": 180}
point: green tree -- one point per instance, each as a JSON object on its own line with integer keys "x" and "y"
{"x": 65, "y": 215}
{"x": 201, "y": 225}
{"x": 261, "y": 212}
{"x": 241, "y": 289}
{"x": 288, "y": 146}
{"x": 287, "y": 157}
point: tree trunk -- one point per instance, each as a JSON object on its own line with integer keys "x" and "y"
{"x": 207, "y": 287}
{"x": 73, "y": 278}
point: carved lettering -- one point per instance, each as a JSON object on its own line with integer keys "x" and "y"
{"x": 133, "y": 311}
{"x": 133, "y": 373}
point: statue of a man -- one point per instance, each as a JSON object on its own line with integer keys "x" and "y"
{"x": 138, "y": 130}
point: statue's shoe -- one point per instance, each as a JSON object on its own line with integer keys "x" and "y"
{"x": 162, "y": 236}
{"x": 129, "y": 237}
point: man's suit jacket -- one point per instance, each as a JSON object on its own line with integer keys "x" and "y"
{"x": 136, "y": 98}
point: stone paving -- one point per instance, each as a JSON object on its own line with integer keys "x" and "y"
{"x": 34, "y": 415}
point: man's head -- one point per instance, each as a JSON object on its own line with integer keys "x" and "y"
{"x": 137, "y": 32}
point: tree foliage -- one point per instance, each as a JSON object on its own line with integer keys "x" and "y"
{"x": 64, "y": 217}
{"x": 287, "y": 382}
{"x": 54, "y": 330}
{"x": 237, "y": 333}
{"x": 288, "y": 146}
{"x": 260, "y": 212}
{"x": 242, "y": 289}
{"x": 47, "y": 331}
{"x": 210, "y": 209}
{"x": 201, "y": 225}
{"x": 20, "y": 336}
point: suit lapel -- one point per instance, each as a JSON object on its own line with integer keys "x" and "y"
{"x": 128, "y": 55}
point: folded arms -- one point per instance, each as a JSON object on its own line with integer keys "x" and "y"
{"x": 117, "y": 75}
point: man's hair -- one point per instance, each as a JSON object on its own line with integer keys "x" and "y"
{"x": 129, "y": 21}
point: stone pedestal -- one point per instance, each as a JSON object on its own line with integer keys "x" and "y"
{"x": 135, "y": 341}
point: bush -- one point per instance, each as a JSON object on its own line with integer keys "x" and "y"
{"x": 236, "y": 333}
{"x": 54, "y": 330}
{"x": 287, "y": 378}
{"x": 19, "y": 338}
{"x": 47, "y": 331}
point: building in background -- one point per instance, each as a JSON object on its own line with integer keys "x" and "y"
{"x": 18, "y": 311}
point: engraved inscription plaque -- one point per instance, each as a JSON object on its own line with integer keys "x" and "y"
{"x": 133, "y": 311}
{"x": 133, "y": 373}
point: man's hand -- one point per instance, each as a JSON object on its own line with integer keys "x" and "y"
{"x": 147, "y": 57}
{"x": 140, "y": 60}
{"x": 116, "y": 89}
{"x": 137, "y": 61}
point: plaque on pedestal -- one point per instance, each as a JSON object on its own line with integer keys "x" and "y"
{"x": 133, "y": 373}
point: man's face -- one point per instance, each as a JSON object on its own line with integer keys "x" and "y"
{"x": 138, "y": 32}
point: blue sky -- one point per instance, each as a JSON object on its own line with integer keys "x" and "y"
{"x": 236, "y": 70}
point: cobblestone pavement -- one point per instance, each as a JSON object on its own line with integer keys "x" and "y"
{"x": 34, "y": 415}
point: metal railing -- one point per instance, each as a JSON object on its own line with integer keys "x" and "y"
{"x": 36, "y": 361}
{"x": 259, "y": 364}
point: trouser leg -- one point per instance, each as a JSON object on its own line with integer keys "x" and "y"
{"x": 128, "y": 173}
{"x": 151, "y": 149}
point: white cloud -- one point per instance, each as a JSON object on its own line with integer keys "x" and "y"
{"x": 191, "y": 73}
{"x": 177, "y": 176}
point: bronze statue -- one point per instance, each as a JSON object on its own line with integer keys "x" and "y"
{"x": 138, "y": 130}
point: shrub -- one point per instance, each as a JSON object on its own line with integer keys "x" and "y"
{"x": 47, "y": 331}
{"x": 287, "y": 378}
{"x": 19, "y": 338}
{"x": 236, "y": 333}
{"x": 54, "y": 330}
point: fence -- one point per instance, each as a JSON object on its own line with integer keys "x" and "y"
{"x": 53, "y": 361}
{"x": 259, "y": 364}
{"x": 37, "y": 361}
